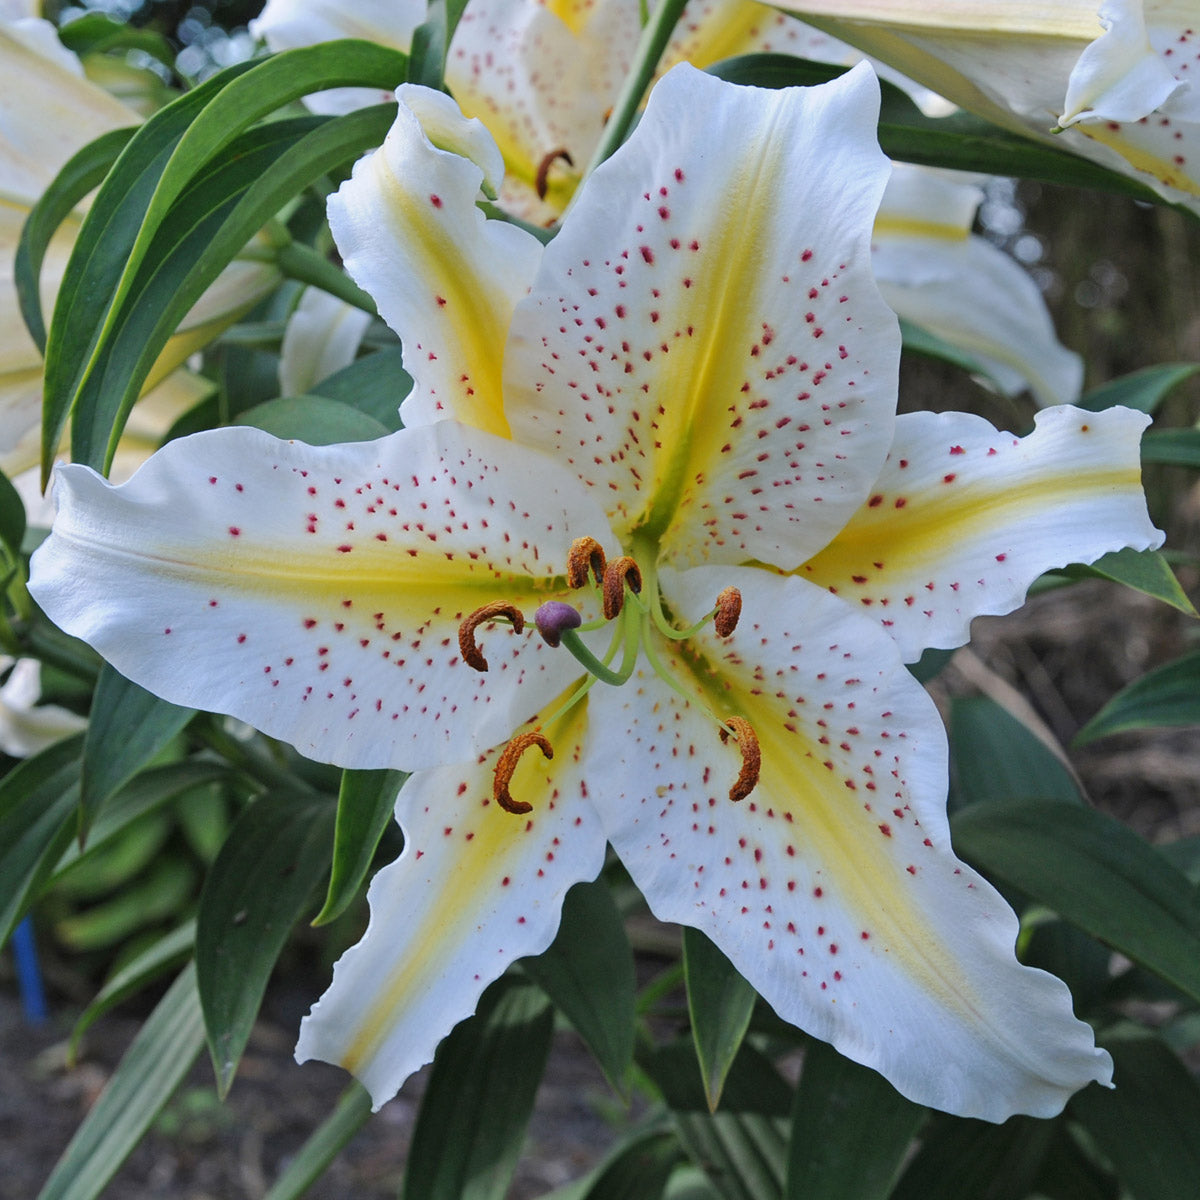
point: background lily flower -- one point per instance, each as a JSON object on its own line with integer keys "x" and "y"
{"x": 695, "y": 378}
{"x": 48, "y": 111}
{"x": 27, "y": 727}
{"x": 543, "y": 79}
{"x": 322, "y": 336}
{"x": 1110, "y": 80}
{"x": 939, "y": 275}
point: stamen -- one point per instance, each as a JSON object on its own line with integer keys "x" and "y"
{"x": 728, "y": 610}
{"x": 541, "y": 183}
{"x": 585, "y": 554}
{"x": 617, "y": 574}
{"x": 747, "y": 741}
{"x": 554, "y": 618}
{"x": 467, "y": 646}
{"x": 506, "y": 764}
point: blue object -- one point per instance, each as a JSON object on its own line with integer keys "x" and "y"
{"x": 29, "y": 975}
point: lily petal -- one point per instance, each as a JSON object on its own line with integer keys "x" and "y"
{"x": 290, "y": 24}
{"x": 317, "y": 592}
{"x": 322, "y": 336}
{"x": 932, "y": 270}
{"x": 964, "y": 518}
{"x": 542, "y": 78}
{"x": 27, "y": 727}
{"x": 444, "y": 278}
{"x": 832, "y": 886}
{"x": 715, "y": 321}
{"x": 475, "y": 889}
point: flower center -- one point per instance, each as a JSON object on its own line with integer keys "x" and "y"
{"x": 631, "y": 604}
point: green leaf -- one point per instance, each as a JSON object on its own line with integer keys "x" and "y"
{"x": 638, "y": 1170}
{"x": 12, "y": 519}
{"x": 479, "y": 1098}
{"x": 167, "y": 952}
{"x": 1172, "y": 447}
{"x": 744, "y": 1155}
{"x": 38, "y": 798}
{"x": 961, "y": 142}
{"x": 1095, "y": 873}
{"x": 256, "y": 890}
{"x": 366, "y": 802}
{"x": 314, "y": 420}
{"x": 960, "y": 1158}
{"x": 102, "y": 250}
{"x": 995, "y": 757}
{"x": 1145, "y": 571}
{"x": 851, "y": 1130}
{"x": 82, "y": 173}
{"x": 431, "y": 43}
{"x": 1149, "y": 1123}
{"x": 375, "y": 384}
{"x": 128, "y": 727}
{"x": 144, "y": 794}
{"x": 177, "y": 145}
{"x": 720, "y": 1004}
{"x": 307, "y": 1165}
{"x": 152, "y": 1068}
{"x": 1168, "y": 695}
{"x": 211, "y": 224}
{"x": 588, "y": 973}
{"x": 1144, "y": 390}
{"x": 752, "y": 1085}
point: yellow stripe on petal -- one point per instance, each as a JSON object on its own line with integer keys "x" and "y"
{"x": 964, "y": 518}
{"x": 475, "y": 889}
{"x": 443, "y": 277}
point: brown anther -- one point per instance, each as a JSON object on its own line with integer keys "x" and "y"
{"x": 585, "y": 554}
{"x": 541, "y": 183}
{"x": 467, "y": 646}
{"x": 747, "y": 741}
{"x": 728, "y": 610}
{"x": 619, "y": 573}
{"x": 506, "y": 764}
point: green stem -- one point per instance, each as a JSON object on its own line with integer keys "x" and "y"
{"x": 574, "y": 643}
{"x": 655, "y": 37}
{"x": 300, "y": 262}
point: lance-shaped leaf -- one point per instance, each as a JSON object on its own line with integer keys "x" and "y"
{"x": 467, "y": 1140}
{"x": 255, "y": 892}
{"x": 1168, "y": 695}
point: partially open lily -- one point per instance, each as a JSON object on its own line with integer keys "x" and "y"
{"x": 27, "y": 727}
{"x": 48, "y": 111}
{"x": 668, "y": 441}
{"x": 1111, "y": 79}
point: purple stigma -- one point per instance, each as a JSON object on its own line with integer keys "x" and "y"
{"x": 554, "y": 618}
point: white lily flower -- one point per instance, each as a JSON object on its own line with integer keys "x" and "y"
{"x": 692, "y": 390}
{"x": 1110, "y": 78}
{"x": 27, "y": 727}
{"x": 322, "y": 336}
{"x": 291, "y": 24}
{"x": 934, "y": 272}
{"x": 48, "y": 111}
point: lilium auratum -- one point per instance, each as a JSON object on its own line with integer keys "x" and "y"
{"x": 682, "y": 406}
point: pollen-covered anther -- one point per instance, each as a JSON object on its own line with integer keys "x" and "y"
{"x": 620, "y": 573}
{"x": 585, "y": 555}
{"x": 506, "y": 764}
{"x": 541, "y": 181}
{"x": 471, "y": 654}
{"x": 728, "y": 610}
{"x": 747, "y": 741}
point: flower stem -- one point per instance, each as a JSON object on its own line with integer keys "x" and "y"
{"x": 300, "y": 262}
{"x": 655, "y": 36}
